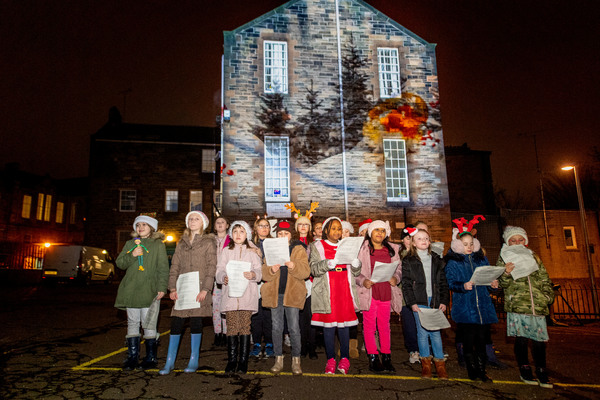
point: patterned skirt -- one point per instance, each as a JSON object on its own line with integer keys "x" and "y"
{"x": 524, "y": 325}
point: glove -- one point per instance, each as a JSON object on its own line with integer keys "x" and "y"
{"x": 332, "y": 263}
{"x": 356, "y": 263}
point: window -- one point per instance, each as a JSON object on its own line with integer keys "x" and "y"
{"x": 277, "y": 169}
{"x": 126, "y": 200}
{"x": 195, "y": 200}
{"x": 60, "y": 209}
{"x": 389, "y": 72}
{"x": 40, "y": 207}
{"x": 26, "y": 210}
{"x": 570, "y": 239}
{"x": 208, "y": 160}
{"x": 48, "y": 207}
{"x": 396, "y": 172}
{"x": 275, "y": 63}
{"x": 218, "y": 200}
{"x": 171, "y": 200}
{"x": 73, "y": 216}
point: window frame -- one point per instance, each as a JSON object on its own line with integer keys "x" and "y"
{"x": 48, "y": 208}
{"x": 209, "y": 156}
{"x": 269, "y": 184}
{"x": 573, "y": 237}
{"x": 390, "y": 178}
{"x": 121, "y": 202}
{"x": 270, "y": 69}
{"x": 201, "y": 200}
{"x": 26, "y": 206}
{"x": 39, "y": 213}
{"x": 60, "y": 212}
{"x": 171, "y": 201}
{"x": 388, "y": 78}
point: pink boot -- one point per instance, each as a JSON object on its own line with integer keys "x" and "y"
{"x": 344, "y": 366}
{"x": 330, "y": 367}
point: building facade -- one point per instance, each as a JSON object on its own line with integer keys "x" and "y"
{"x": 288, "y": 138}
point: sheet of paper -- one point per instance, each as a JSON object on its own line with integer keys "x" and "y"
{"x": 152, "y": 315}
{"x": 484, "y": 275}
{"x": 438, "y": 248}
{"x": 348, "y": 248}
{"x": 523, "y": 259}
{"x": 188, "y": 287}
{"x": 277, "y": 251}
{"x": 383, "y": 272}
{"x": 433, "y": 319}
{"x": 235, "y": 274}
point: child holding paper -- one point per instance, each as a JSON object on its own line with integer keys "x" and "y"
{"x": 284, "y": 293}
{"x": 424, "y": 285}
{"x": 219, "y": 323}
{"x": 239, "y": 310}
{"x": 472, "y": 307}
{"x": 378, "y": 299}
{"x": 195, "y": 252}
{"x": 526, "y": 301}
{"x": 334, "y": 295}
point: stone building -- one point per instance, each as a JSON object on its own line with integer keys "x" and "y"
{"x": 163, "y": 171}
{"x": 283, "y": 140}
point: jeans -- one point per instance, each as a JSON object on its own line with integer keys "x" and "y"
{"x": 424, "y": 336}
{"x": 293, "y": 319}
{"x": 135, "y": 317}
{"x": 409, "y": 330}
{"x": 377, "y": 318}
{"x": 261, "y": 325}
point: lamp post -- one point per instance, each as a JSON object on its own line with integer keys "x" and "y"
{"x": 585, "y": 235}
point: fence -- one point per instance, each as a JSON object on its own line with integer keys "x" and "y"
{"x": 22, "y": 256}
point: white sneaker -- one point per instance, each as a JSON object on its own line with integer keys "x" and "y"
{"x": 287, "y": 341}
{"x": 414, "y": 357}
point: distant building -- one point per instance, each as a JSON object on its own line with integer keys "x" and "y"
{"x": 36, "y": 210}
{"x": 165, "y": 171}
{"x": 281, "y": 148}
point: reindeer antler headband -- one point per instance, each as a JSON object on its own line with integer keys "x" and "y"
{"x": 461, "y": 222}
{"x": 293, "y": 209}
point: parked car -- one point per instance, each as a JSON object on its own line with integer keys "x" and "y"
{"x": 78, "y": 263}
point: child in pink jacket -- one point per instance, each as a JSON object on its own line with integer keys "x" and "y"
{"x": 238, "y": 310}
{"x": 377, "y": 300}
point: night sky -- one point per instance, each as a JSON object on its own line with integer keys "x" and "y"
{"x": 507, "y": 70}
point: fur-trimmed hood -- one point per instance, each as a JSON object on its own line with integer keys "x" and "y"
{"x": 451, "y": 255}
{"x": 160, "y": 235}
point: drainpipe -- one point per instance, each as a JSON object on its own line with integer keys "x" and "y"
{"x": 343, "y": 129}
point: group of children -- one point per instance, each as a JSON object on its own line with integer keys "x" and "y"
{"x": 315, "y": 290}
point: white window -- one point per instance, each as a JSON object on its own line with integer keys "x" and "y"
{"x": 195, "y": 200}
{"x": 275, "y": 65}
{"x": 60, "y": 210}
{"x": 171, "y": 200}
{"x": 396, "y": 171}
{"x": 26, "y": 210}
{"x": 277, "y": 169}
{"x": 40, "y": 207}
{"x": 389, "y": 72}
{"x": 126, "y": 200}
{"x": 570, "y": 239}
{"x": 208, "y": 160}
{"x": 48, "y": 207}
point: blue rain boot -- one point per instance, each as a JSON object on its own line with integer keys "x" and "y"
{"x": 193, "y": 364}
{"x": 171, "y": 355}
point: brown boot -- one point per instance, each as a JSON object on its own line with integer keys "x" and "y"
{"x": 354, "y": 348}
{"x": 440, "y": 367}
{"x": 426, "y": 367}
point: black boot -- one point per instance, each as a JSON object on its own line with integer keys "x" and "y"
{"x": 150, "y": 360}
{"x": 217, "y": 341}
{"x": 386, "y": 361}
{"x": 242, "y": 366}
{"x": 472, "y": 368}
{"x": 223, "y": 340}
{"x": 481, "y": 360}
{"x": 374, "y": 363}
{"x": 232, "y": 353}
{"x": 460, "y": 354}
{"x": 312, "y": 351}
{"x": 133, "y": 353}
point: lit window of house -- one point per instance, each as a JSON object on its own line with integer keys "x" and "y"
{"x": 195, "y": 200}
{"x": 277, "y": 169}
{"x": 396, "y": 171}
{"x": 127, "y": 200}
{"x": 40, "y": 207}
{"x": 26, "y": 209}
{"x": 60, "y": 210}
{"x": 569, "y": 236}
{"x": 389, "y": 72}
{"x": 275, "y": 66}
{"x": 73, "y": 215}
{"x": 48, "y": 207}
{"x": 208, "y": 160}
{"x": 171, "y": 200}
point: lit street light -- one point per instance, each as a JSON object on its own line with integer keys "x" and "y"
{"x": 585, "y": 235}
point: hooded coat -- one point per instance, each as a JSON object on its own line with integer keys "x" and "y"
{"x": 468, "y": 306}
{"x": 139, "y": 287}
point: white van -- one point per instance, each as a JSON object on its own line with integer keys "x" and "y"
{"x": 83, "y": 263}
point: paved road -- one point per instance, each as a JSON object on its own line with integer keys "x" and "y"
{"x": 67, "y": 342}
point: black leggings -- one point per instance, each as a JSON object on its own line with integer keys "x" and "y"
{"x": 177, "y": 324}
{"x": 538, "y": 350}
{"x": 473, "y": 338}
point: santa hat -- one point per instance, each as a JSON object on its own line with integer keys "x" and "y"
{"x": 364, "y": 225}
{"x": 380, "y": 224}
{"x": 303, "y": 220}
{"x": 511, "y": 231}
{"x": 407, "y": 231}
{"x": 149, "y": 220}
{"x": 347, "y": 225}
{"x": 202, "y": 215}
{"x": 244, "y": 225}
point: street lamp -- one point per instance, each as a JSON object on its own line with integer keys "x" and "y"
{"x": 585, "y": 235}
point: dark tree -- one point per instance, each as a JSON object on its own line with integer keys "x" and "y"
{"x": 273, "y": 116}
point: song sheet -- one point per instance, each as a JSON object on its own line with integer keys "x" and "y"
{"x": 438, "y": 248}
{"x": 433, "y": 319}
{"x": 277, "y": 251}
{"x": 235, "y": 274}
{"x": 188, "y": 288}
{"x": 484, "y": 275}
{"x": 383, "y": 272}
{"x": 348, "y": 248}
{"x": 523, "y": 259}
